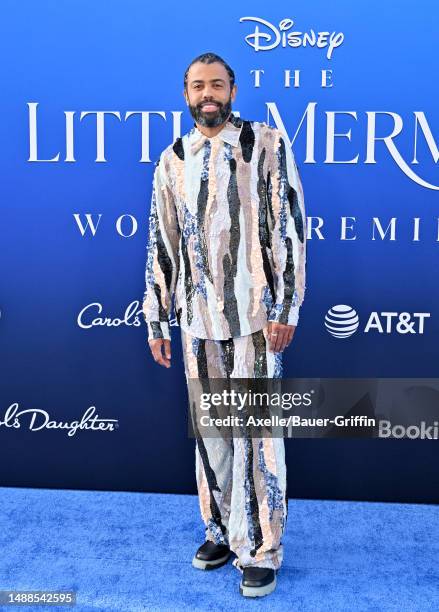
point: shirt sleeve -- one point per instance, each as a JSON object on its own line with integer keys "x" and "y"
{"x": 162, "y": 256}
{"x": 288, "y": 234}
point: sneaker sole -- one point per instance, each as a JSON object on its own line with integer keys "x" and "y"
{"x": 257, "y": 591}
{"x": 209, "y": 565}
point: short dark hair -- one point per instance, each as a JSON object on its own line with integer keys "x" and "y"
{"x": 210, "y": 58}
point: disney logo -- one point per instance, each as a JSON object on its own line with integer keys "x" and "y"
{"x": 279, "y": 36}
{"x": 40, "y": 420}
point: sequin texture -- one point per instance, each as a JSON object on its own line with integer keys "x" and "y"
{"x": 226, "y": 233}
{"x": 275, "y": 496}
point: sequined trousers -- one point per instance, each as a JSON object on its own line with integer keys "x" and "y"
{"x": 241, "y": 481}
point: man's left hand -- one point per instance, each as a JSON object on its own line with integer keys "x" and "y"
{"x": 279, "y": 335}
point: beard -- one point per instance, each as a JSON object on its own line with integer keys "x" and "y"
{"x": 212, "y": 119}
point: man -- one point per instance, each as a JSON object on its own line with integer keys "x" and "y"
{"x": 227, "y": 243}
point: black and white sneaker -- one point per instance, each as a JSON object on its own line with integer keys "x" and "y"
{"x": 211, "y": 555}
{"x": 257, "y": 581}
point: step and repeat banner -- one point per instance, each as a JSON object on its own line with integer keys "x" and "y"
{"x": 91, "y": 95}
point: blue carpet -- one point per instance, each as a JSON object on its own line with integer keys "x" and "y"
{"x": 130, "y": 552}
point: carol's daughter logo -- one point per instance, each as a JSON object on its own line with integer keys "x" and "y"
{"x": 271, "y": 37}
{"x": 37, "y": 419}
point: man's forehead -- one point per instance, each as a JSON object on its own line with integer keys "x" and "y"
{"x": 207, "y": 72}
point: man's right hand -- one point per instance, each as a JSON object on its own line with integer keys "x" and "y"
{"x": 161, "y": 351}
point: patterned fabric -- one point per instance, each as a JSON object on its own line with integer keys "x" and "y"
{"x": 241, "y": 481}
{"x": 227, "y": 234}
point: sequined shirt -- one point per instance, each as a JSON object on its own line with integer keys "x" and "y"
{"x": 227, "y": 235}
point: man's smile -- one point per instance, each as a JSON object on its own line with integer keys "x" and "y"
{"x": 209, "y": 107}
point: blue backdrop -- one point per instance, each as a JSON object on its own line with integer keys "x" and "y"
{"x": 77, "y": 160}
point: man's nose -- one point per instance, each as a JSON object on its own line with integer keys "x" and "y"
{"x": 208, "y": 93}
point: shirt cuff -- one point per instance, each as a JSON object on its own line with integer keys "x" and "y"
{"x": 158, "y": 329}
{"x": 276, "y": 314}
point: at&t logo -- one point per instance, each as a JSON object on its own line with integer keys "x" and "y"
{"x": 341, "y": 321}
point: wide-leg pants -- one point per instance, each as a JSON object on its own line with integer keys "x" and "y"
{"x": 241, "y": 481}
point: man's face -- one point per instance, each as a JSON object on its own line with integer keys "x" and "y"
{"x": 208, "y": 94}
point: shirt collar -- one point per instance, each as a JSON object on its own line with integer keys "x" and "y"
{"x": 230, "y": 134}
